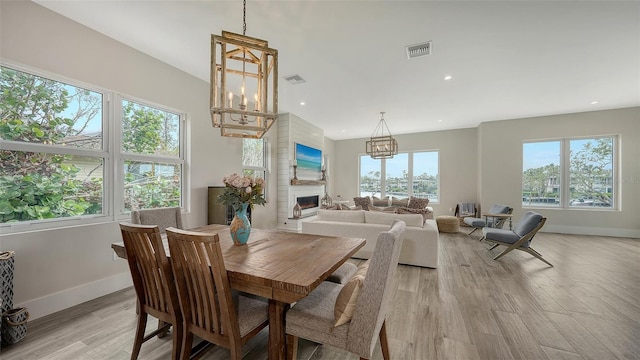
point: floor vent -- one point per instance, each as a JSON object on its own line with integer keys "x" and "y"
{"x": 419, "y": 50}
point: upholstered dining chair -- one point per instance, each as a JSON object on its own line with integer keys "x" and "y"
{"x": 495, "y": 222}
{"x": 153, "y": 283}
{"x": 210, "y": 310}
{"x": 519, "y": 238}
{"x": 163, "y": 217}
{"x": 361, "y": 320}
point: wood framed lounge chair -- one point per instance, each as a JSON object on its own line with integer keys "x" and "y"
{"x": 489, "y": 221}
{"x": 519, "y": 238}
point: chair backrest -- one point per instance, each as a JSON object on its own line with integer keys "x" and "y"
{"x": 163, "y": 217}
{"x": 204, "y": 289}
{"x": 371, "y": 307}
{"x": 150, "y": 269}
{"x": 500, "y": 209}
{"x": 529, "y": 221}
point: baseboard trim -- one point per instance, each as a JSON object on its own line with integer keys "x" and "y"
{"x": 67, "y": 298}
{"x": 584, "y": 230}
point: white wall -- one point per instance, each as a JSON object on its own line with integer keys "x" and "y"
{"x": 458, "y": 170}
{"x": 59, "y": 268}
{"x": 501, "y": 169}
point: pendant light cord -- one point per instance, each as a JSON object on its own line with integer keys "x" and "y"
{"x": 244, "y": 17}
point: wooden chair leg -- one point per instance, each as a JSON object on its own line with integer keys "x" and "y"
{"x": 537, "y": 255}
{"x": 383, "y": 341}
{"x": 506, "y": 251}
{"x": 177, "y": 342}
{"x": 139, "y": 338}
{"x": 292, "y": 347}
{"x": 185, "y": 347}
{"x": 163, "y": 333}
{"x": 472, "y": 231}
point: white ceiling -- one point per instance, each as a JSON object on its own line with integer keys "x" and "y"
{"x": 508, "y": 59}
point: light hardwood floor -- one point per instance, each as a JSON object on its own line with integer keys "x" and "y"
{"x": 472, "y": 307}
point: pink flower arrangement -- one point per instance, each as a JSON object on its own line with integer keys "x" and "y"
{"x": 242, "y": 189}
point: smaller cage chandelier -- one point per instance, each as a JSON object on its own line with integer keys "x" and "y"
{"x": 382, "y": 145}
{"x": 246, "y": 64}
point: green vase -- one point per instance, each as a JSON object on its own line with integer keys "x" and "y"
{"x": 240, "y": 227}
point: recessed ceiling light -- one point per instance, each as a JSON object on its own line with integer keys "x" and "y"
{"x": 448, "y": 77}
{"x": 594, "y": 102}
{"x": 439, "y": 120}
{"x": 302, "y": 103}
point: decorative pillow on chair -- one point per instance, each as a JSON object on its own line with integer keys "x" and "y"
{"x": 362, "y": 201}
{"x": 418, "y": 203}
{"x": 348, "y": 296}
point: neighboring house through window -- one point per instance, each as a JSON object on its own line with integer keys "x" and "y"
{"x": 573, "y": 173}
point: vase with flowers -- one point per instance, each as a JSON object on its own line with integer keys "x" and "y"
{"x": 241, "y": 192}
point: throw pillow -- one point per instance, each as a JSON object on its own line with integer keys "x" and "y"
{"x": 400, "y": 202}
{"x": 362, "y": 201}
{"x": 348, "y": 296}
{"x": 380, "y": 202}
{"x": 354, "y": 207}
{"x": 418, "y": 203}
{"x": 390, "y": 209}
{"x": 426, "y": 213}
{"x": 332, "y": 207}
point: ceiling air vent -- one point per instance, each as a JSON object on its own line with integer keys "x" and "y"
{"x": 418, "y": 50}
{"x": 294, "y": 79}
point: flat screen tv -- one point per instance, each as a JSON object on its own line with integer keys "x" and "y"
{"x": 309, "y": 161}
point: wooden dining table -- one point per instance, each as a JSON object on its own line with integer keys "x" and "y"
{"x": 283, "y": 267}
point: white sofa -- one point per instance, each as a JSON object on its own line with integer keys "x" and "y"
{"x": 420, "y": 246}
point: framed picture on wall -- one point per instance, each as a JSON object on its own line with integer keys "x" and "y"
{"x": 309, "y": 161}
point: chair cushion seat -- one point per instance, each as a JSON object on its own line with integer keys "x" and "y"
{"x": 312, "y": 317}
{"x": 502, "y": 235}
{"x": 252, "y": 311}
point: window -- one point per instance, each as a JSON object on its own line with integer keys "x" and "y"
{"x": 56, "y": 163}
{"x": 53, "y": 156}
{"x": 151, "y": 157}
{"x": 569, "y": 173}
{"x": 254, "y": 159}
{"x": 406, "y": 174}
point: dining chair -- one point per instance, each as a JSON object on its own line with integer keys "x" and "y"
{"x": 360, "y": 319}
{"x": 519, "y": 238}
{"x": 210, "y": 310}
{"x": 154, "y": 285}
{"x": 163, "y": 217}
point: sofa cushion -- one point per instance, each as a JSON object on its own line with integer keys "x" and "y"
{"x": 376, "y": 217}
{"x": 353, "y": 216}
{"x": 362, "y": 201}
{"x": 426, "y": 213}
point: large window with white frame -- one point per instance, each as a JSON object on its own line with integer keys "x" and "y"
{"x": 407, "y": 174}
{"x": 572, "y": 173}
{"x": 57, "y": 163}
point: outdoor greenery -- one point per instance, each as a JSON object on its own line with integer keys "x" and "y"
{"x": 53, "y": 184}
{"x": 423, "y": 184}
{"x": 590, "y": 181}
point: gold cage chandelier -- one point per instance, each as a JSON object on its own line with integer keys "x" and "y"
{"x": 249, "y": 66}
{"x": 382, "y": 145}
